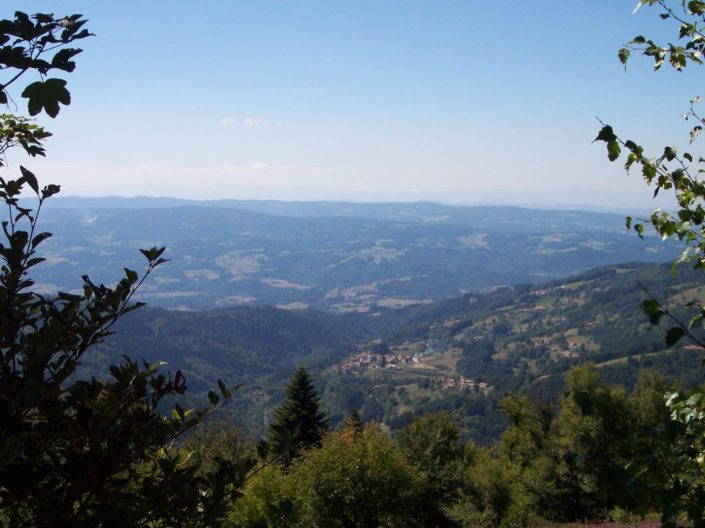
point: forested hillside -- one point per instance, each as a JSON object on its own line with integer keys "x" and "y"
{"x": 461, "y": 355}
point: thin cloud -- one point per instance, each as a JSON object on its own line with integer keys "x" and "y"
{"x": 227, "y": 121}
{"x": 255, "y": 122}
{"x": 258, "y": 166}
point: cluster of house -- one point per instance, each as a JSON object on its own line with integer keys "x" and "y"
{"x": 537, "y": 308}
{"x": 543, "y": 307}
{"x": 371, "y": 360}
{"x": 546, "y": 291}
{"x": 546, "y": 341}
{"x": 569, "y": 354}
{"x": 463, "y": 383}
{"x": 541, "y": 341}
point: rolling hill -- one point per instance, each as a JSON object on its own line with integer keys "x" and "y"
{"x": 338, "y": 257}
{"x": 461, "y": 354}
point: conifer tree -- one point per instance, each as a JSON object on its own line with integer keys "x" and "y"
{"x": 354, "y": 422}
{"x": 298, "y": 422}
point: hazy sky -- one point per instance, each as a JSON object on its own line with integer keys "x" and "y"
{"x": 457, "y": 101}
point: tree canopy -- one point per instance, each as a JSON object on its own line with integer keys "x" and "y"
{"x": 79, "y": 452}
{"x": 670, "y": 475}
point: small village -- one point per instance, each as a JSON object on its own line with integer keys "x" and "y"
{"x": 461, "y": 383}
{"x": 371, "y": 360}
{"x": 367, "y": 359}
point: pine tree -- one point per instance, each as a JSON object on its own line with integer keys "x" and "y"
{"x": 298, "y": 422}
{"x": 354, "y": 422}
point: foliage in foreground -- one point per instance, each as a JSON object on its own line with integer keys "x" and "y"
{"x": 553, "y": 462}
{"x": 80, "y": 452}
{"x": 671, "y": 477}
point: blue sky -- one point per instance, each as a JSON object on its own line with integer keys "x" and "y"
{"x": 454, "y": 101}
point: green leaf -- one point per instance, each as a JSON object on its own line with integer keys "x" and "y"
{"x": 606, "y": 134}
{"x": 632, "y": 146}
{"x": 650, "y": 306}
{"x": 696, "y": 7}
{"x": 131, "y": 275}
{"x": 31, "y": 179}
{"x": 40, "y": 238}
{"x": 223, "y": 389}
{"x": 62, "y": 60}
{"x": 46, "y": 95}
{"x": 613, "y": 150}
{"x": 674, "y": 335}
{"x": 649, "y": 171}
{"x": 50, "y": 190}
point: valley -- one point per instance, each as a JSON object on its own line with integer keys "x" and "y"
{"x": 461, "y": 355}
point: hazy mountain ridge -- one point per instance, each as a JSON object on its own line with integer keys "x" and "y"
{"x": 319, "y": 208}
{"x": 340, "y": 257}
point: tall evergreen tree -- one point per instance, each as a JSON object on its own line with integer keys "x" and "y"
{"x": 298, "y": 422}
{"x": 354, "y": 422}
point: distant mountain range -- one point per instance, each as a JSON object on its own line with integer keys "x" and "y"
{"x": 487, "y": 300}
{"x": 327, "y": 255}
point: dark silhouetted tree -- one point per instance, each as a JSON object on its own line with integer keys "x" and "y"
{"x": 79, "y": 452}
{"x": 298, "y": 422}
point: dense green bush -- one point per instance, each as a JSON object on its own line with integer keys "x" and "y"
{"x": 79, "y": 452}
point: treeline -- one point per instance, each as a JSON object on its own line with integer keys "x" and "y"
{"x": 555, "y": 462}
